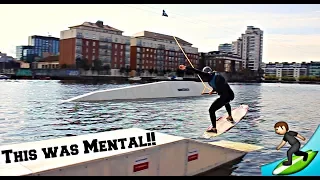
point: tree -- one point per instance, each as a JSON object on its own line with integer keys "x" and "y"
{"x": 97, "y": 65}
{"x": 63, "y": 66}
{"x": 164, "y": 71}
{"x": 122, "y": 70}
{"x": 169, "y": 70}
{"x": 156, "y": 71}
{"x": 151, "y": 71}
{"x": 86, "y": 64}
{"x": 127, "y": 69}
{"x": 79, "y": 63}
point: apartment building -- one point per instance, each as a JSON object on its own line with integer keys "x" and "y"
{"x": 237, "y": 47}
{"x": 225, "y": 47}
{"x": 314, "y": 68}
{"x": 285, "y": 69}
{"x": 150, "y": 50}
{"x": 95, "y": 41}
{"x": 252, "y": 45}
{"x": 221, "y": 62}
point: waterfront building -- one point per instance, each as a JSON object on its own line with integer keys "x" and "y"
{"x": 225, "y": 48}
{"x": 24, "y": 52}
{"x": 286, "y": 69}
{"x": 44, "y": 44}
{"x": 94, "y": 41}
{"x": 314, "y": 68}
{"x": 221, "y": 62}
{"x": 252, "y": 46}
{"x": 237, "y": 47}
{"x": 150, "y": 50}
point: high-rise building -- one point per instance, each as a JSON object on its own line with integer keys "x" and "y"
{"x": 225, "y": 47}
{"x": 252, "y": 45}
{"x": 94, "y": 41}
{"x": 237, "y": 47}
{"x": 150, "y": 50}
{"x": 44, "y": 44}
{"x": 24, "y": 52}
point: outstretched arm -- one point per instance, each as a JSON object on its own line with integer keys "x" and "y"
{"x": 197, "y": 71}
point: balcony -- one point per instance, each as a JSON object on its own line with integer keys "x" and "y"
{"x": 78, "y": 43}
{"x": 161, "y": 46}
{"x": 105, "y": 39}
{"x": 79, "y": 36}
{"x": 127, "y": 43}
{"x": 105, "y": 47}
{"x": 79, "y": 51}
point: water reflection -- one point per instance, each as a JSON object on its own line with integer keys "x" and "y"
{"x": 30, "y": 111}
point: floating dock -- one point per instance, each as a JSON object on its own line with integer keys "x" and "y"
{"x": 170, "y": 156}
{"x": 164, "y": 89}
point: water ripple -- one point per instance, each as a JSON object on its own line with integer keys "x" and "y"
{"x": 30, "y": 111}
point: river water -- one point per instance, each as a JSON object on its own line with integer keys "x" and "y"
{"x": 30, "y": 111}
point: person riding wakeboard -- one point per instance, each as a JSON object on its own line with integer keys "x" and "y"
{"x": 219, "y": 85}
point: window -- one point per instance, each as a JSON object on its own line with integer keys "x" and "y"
{"x": 87, "y": 43}
{"x": 115, "y": 46}
{"x": 151, "y": 50}
{"x": 115, "y": 65}
{"x": 93, "y": 50}
{"x": 121, "y": 60}
{"x": 115, "y": 59}
{"x": 151, "y": 55}
{"x": 116, "y": 40}
{"x": 142, "y": 49}
{"x": 87, "y": 57}
{"x": 147, "y": 49}
{"x": 93, "y": 43}
{"x": 121, "y": 52}
{"x": 93, "y": 36}
{"x": 142, "y": 55}
{"x": 93, "y": 57}
{"x": 87, "y": 50}
{"x": 115, "y": 53}
{"x": 121, "y": 47}
{"x": 147, "y": 55}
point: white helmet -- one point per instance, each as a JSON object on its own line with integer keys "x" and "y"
{"x": 207, "y": 69}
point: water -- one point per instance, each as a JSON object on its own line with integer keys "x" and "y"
{"x": 30, "y": 111}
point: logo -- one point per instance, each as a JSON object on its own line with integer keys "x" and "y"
{"x": 184, "y": 89}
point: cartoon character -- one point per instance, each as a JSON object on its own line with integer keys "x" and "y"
{"x": 282, "y": 128}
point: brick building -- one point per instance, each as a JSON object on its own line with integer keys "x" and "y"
{"x": 156, "y": 51}
{"x": 221, "y": 62}
{"x": 94, "y": 41}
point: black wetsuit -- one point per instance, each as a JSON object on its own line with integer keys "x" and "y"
{"x": 295, "y": 147}
{"x": 220, "y": 85}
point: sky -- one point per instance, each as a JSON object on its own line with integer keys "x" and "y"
{"x": 291, "y": 32}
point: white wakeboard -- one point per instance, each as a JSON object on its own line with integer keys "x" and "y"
{"x": 223, "y": 125}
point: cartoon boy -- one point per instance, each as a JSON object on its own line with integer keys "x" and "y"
{"x": 282, "y": 128}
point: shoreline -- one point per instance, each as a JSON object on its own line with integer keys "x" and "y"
{"x": 121, "y": 79}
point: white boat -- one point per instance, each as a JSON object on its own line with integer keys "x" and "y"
{"x": 4, "y": 77}
{"x": 163, "y": 89}
{"x": 134, "y": 79}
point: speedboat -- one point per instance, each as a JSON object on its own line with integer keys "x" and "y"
{"x": 4, "y": 77}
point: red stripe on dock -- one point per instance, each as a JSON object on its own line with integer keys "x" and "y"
{"x": 192, "y": 157}
{"x": 140, "y": 167}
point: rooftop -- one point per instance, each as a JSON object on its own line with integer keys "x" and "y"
{"x": 158, "y": 36}
{"x": 97, "y": 25}
{"x": 49, "y": 59}
{"x": 44, "y": 37}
